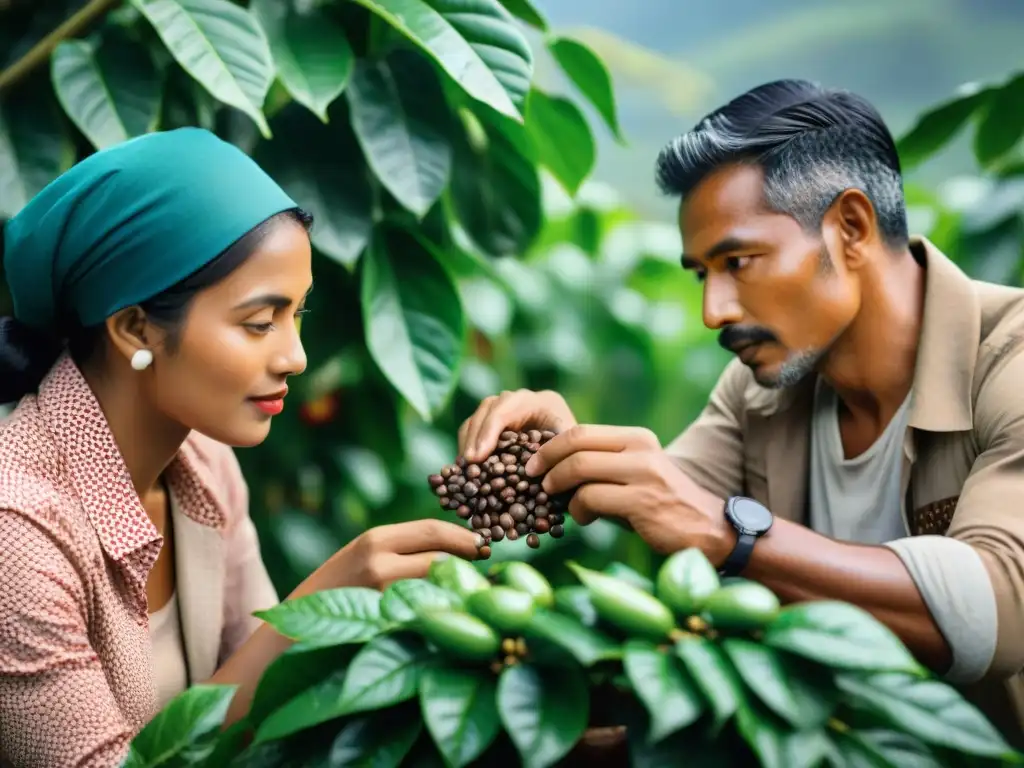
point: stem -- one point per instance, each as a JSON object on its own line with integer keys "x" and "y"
{"x": 41, "y": 51}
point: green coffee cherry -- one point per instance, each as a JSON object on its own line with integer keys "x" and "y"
{"x": 457, "y": 575}
{"x": 460, "y": 634}
{"x": 507, "y": 610}
{"x": 631, "y": 609}
{"x": 527, "y": 579}
{"x": 685, "y": 581}
{"x": 741, "y": 606}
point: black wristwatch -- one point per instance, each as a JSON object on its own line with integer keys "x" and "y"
{"x": 751, "y": 519}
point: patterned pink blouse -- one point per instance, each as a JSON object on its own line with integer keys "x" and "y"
{"x": 76, "y": 547}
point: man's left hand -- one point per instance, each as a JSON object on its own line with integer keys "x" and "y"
{"x": 623, "y": 473}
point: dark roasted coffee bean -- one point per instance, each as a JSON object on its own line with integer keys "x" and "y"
{"x": 521, "y": 470}
{"x": 542, "y": 498}
{"x": 531, "y": 520}
{"x": 521, "y": 499}
{"x": 493, "y": 502}
{"x": 557, "y": 531}
{"x": 515, "y": 450}
{"x": 533, "y": 447}
{"x": 540, "y": 511}
{"x": 546, "y": 435}
{"x": 522, "y": 486}
{"x": 481, "y": 504}
{"x": 447, "y": 471}
{"x": 461, "y": 462}
{"x": 460, "y": 497}
{"x": 542, "y": 525}
{"x": 485, "y": 520}
{"x": 506, "y": 521}
{"x": 511, "y": 534}
{"x": 485, "y": 489}
{"x": 464, "y": 512}
{"x": 504, "y": 445}
{"x": 497, "y": 533}
{"x": 454, "y": 488}
{"x": 490, "y": 460}
{"x": 533, "y": 541}
{"x": 508, "y": 459}
{"x": 508, "y": 494}
{"x": 459, "y": 480}
{"x": 523, "y": 438}
{"x": 470, "y": 489}
{"x": 445, "y": 500}
{"x": 536, "y": 488}
{"x": 524, "y": 457}
{"x": 529, "y": 504}
{"x": 508, "y": 434}
{"x": 557, "y": 519}
{"x": 435, "y": 481}
{"x": 441, "y": 490}
{"x": 498, "y": 483}
{"x": 534, "y": 435}
{"x": 485, "y": 552}
{"x": 476, "y": 521}
{"x": 498, "y": 468}
{"x": 485, "y": 532}
{"x": 518, "y": 512}
{"x": 473, "y": 471}
{"x": 454, "y": 504}
{"x": 522, "y": 529}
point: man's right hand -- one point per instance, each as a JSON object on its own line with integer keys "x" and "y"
{"x": 478, "y": 435}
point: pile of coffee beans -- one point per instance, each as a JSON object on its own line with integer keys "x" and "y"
{"x": 496, "y": 497}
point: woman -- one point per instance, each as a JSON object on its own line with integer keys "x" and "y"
{"x": 172, "y": 270}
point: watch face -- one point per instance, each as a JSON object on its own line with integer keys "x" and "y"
{"x": 751, "y": 515}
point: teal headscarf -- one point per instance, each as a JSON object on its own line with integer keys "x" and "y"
{"x": 130, "y": 221}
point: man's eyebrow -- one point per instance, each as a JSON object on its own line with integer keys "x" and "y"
{"x": 722, "y": 247}
{"x": 275, "y": 300}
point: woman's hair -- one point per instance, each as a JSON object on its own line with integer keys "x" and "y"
{"x": 26, "y": 354}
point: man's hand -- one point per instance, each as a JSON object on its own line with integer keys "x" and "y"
{"x": 478, "y": 435}
{"x": 623, "y": 473}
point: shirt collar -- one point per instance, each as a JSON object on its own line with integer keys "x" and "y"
{"x": 98, "y": 472}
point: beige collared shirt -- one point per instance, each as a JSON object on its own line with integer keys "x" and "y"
{"x": 77, "y": 678}
{"x": 963, "y": 452}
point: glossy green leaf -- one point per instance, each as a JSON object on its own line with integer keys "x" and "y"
{"x": 574, "y": 600}
{"x": 376, "y": 740}
{"x": 1002, "y": 122}
{"x": 564, "y": 142}
{"x": 700, "y": 752}
{"x": 883, "y": 749}
{"x": 931, "y": 710}
{"x": 402, "y": 599}
{"x": 527, "y": 12}
{"x": 476, "y": 42}
{"x": 399, "y": 115}
{"x": 221, "y": 45}
{"x": 937, "y": 126}
{"x": 804, "y": 699}
{"x": 33, "y": 148}
{"x": 839, "y": 635}
{"x": 111, "y": 91}
{"x": 584, "y": 644}
{"x": 329, "y": 617}
{"x": 186, "y": 729}
{"x": 774, "y": 744}
{"x": 383, "y": 673}
{"x": 460, "y": 711}
{"x": 714, "y": 676}
{"x": 313, "y": 57}
{"x": 496, "y": 192}
{"x": 322, "y": 167}
{"x": 300, "y": 667}
{"x": 668, "y": 693}
{"x": 413, "y": 320}
{"x": 544, "y": 712}
{"x": 590, "y": 76}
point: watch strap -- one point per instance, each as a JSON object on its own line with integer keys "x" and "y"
{"x": 740, "y": 555}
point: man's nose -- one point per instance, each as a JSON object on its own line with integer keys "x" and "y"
{"x": 721, "y": 306}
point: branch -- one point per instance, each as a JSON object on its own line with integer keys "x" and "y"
{"x": 41, "y": 51}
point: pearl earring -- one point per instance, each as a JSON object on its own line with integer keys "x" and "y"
{"x": 141, "y": 359}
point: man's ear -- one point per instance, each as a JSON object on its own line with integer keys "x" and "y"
{"x": 130, "y": 331}
{"x": 854, "y": 220}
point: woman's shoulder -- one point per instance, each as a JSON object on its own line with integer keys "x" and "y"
{"x": 31, "y": 473}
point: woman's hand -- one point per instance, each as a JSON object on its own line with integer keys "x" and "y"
{"x": 478, "y": 435}
{"x": 389, "y": 553}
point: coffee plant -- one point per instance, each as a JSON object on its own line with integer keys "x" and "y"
{"x": 488, "y": 668}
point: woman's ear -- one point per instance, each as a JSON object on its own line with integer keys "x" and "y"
{"x": 130, "y": 331}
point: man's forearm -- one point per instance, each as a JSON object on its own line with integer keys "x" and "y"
{"x": 799, "y": 564}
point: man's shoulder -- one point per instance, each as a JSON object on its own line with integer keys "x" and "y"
{"x": 1002, "y": 323}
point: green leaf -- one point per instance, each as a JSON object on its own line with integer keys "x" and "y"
{"x": 221, "y": 46}
{"x": 714, "y": 676}
{"x": 700, "y": 752}
{"x": 402, "y": 599}
{"x": 413, "y": 319}
{"x": 378, "y": 740}
{"x": 322, "y": 167}
{"x": 496, "y": 192}
{"x": 111, "y": 92}
{"x": 574, "y": 600}
{"x": 525, "y": 11}
{"x": 634, "y": 577}
{"x": 563, "y": 139}
{"x": 774, "y": 744}
{"x": 33, "y": 148}
{"x": 839, "y": 635}
{"x": 475, "y": 41}
{"x": 300, "y": 667}
{"x": 883, "y": 749}
{"x": 313, "y": 57}
{"x": 397, "y": 108}
{"x": 669, "y": 695}
{"x": 330, "y": 617}
{"x": 1001, "y": 124}
{"x": 928, "y": 709}
{"x": 781, "y": 683}
{"x": 383, "y": 673}
{"x": 584, "y": 644}
{"x": 543, "y": 712}
{"x": 186, "y": 728}
{"x": 460, "y": 711}
{"x": 590, "y": 75}
{"x": 937, "y": 126}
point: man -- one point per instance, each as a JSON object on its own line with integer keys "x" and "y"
{"x": 874, "y": 414}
